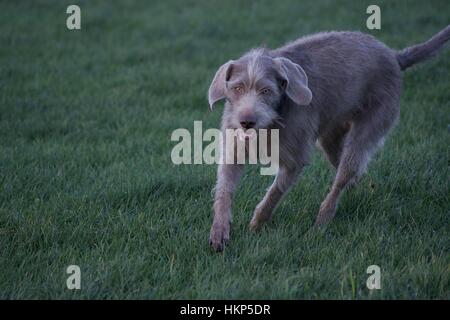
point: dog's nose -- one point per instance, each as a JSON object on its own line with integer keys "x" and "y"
{"x": 247, "y": 120}
{"x": 247, "y": 124}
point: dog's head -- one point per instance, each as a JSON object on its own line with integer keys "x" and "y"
{"x": 254, "y": 86}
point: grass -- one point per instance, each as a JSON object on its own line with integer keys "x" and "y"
{"x": 86, "y": 176}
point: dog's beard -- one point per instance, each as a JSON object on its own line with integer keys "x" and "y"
{"x": 248, "y": 134}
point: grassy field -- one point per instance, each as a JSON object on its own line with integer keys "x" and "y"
{"x": 86, "y": 176}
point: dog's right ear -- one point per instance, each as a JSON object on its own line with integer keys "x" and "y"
{"x": 218, "y": 85}
{"x": 296, "y": 81}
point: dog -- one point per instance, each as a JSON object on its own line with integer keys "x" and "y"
{"x": 339, "y": 90}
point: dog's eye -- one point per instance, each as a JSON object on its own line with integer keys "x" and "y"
{"x": 238, "y": 89}
{"x": 265, "y": 91}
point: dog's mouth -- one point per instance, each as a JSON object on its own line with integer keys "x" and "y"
{"x": 246, "y": 134}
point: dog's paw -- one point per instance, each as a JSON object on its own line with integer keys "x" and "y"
{"x": 255, "y": 225}
{"x": 260, "y": 216}
{"x": 327, "y": 212}
{"x": 324, "y": 217}
{"x": 219, "y": 237}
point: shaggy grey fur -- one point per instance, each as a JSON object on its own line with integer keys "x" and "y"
{"x": 340, "y": 90}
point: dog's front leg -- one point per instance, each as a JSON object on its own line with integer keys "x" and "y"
{"x": 284, "y": 179}
{"x": 227, "y": 179}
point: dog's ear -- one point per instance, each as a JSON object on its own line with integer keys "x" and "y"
{"x": 296, "y": 81}
{"x": 218, "y": 85}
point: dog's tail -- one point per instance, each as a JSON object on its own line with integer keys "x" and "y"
{"x": 423, "y": 51}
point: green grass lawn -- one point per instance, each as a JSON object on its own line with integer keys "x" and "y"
{"x": 86, "y": 176}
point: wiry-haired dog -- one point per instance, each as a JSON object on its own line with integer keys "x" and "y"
{"x": 340, "y": 89}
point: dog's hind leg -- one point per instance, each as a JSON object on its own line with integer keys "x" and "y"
{"x": 365, "y": 136}
{"x": 352, "y": 165}
{"x": 332, "y": 143}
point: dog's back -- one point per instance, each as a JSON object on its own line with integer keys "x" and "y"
{"x": 344, "y": 69}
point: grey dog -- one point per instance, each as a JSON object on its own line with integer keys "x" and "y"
{"x": 339, "y": 90}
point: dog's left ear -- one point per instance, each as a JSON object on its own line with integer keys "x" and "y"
{"x": 217, "y": 89}
{"x": 296, "y": 81}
